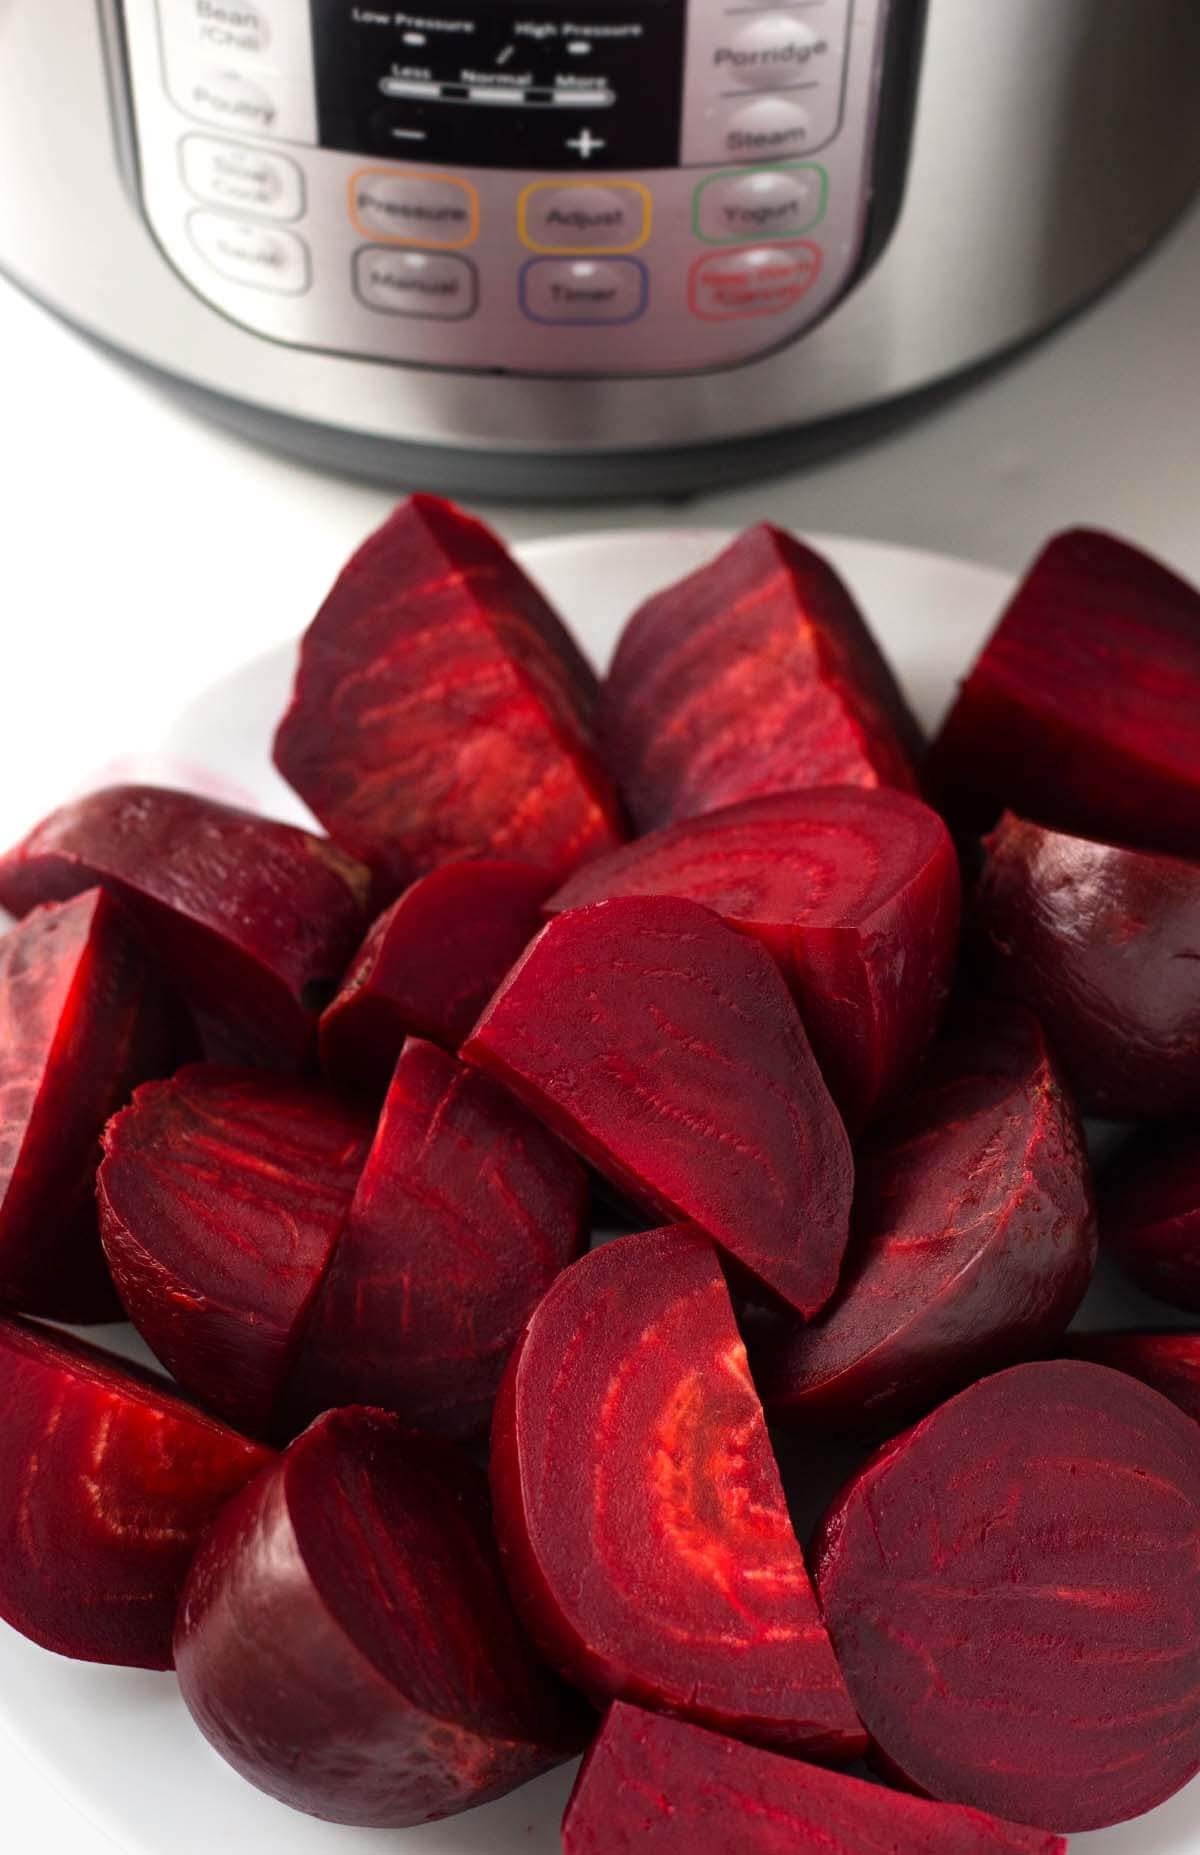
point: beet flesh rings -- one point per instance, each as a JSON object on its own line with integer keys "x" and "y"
{"x": 346, "y": 1642}
{"x": 1150, "y": 1213}
{"x": 1081, "y": 711}
{"x": 1013, "y": 1591}
{"x": 655, "y": 1786}
{"x": 856, "y": 893}
{"x": 639, "y": 1509}
{"x": 442, "y": 711}
{"x": 665, "y": 1047}
{"x": 755, "y": 674}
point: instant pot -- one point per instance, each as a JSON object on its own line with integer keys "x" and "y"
{"x": 577, "y": 246}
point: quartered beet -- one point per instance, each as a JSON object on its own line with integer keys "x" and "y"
{"x": 249, "y": 917}
{"x": 1104, "y": 945}
{"x": 1013, "y": 1591}
{"x": 107, "y": 1481}
{"x": 221, "y": 1194}
{"x": 346, "y": 1642}
{"x": 441, "y": 710}
{"x": 856, "y": 893}
{"x": 973, "y": 1239}
{"x": 664, "y": 1046}
{"x": 429, "y": 965}
{"x": 466, "y": 1211}
{"x": 1168, "y": 1361}
{"x": 755, "y": 674}
{"x": 1150, "y": 1212}
{"x": 1082, "y": 709}
{"x": 639, "y": 1509}
{"x": 655, "y": 1786}
{"x": 82, "y": 1019}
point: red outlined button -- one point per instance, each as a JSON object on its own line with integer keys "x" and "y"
{"x": 763, "y": 280}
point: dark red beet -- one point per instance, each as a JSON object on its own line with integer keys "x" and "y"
{"x": 857, "y": 895}
{"x": 639, "y": 1510}
{"x": 755, "y": 674}
{"x": 429, "y": 965}
{"x": 249, "y": 917}
{"x": 1104, "y": 945}
{"x": 441, "y": 710}
{"x": 346, "y": 1642}
{"x": 1013, "y": 1591}
{"x": 1081, "y": 711}
{"x": 466, "y": 1211}
{"x": 1168, "y": 1361}
{"x": 82, "y": 1019}
{"x": 655, "y": 1786}
{"x": 973, "y": 1239}
{"x": 1150, "y": 1213}
{"x": 107, "y": 1481}
{"x": 221, "y": 1194}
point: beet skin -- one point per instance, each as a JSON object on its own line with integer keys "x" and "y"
{"x": 1150, "y": 1213}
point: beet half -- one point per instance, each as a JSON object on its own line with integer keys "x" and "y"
{"x": 665, "y": 1047}
{"x": 755, "y": 674}
{"x": 639, "y": 1510}
{"x": 346, "y": 1643}
{"x": 1104, "y": 945}
{"x": 221, "y": 1194}
{"x": 249, "y": 917}
{"x": 442, "y": 711}
{"x": 1170, "y": 1362}
{"x": 466, "y": 1211}
{"x": 1013, "y": 1591}
{"x": 655, "y": 1786}
{"x": 1150, "y": 1213}
{"x": 107, "y": 1481}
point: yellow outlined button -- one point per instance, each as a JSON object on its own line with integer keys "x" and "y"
{"x": 396, "y": 207}
{"x": 584, "y": 218}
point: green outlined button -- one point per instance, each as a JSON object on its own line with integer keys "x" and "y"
{"x": 741, "y": 205}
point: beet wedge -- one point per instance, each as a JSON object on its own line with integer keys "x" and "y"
{"x": 346, "y": 1642}
{"x": 442, "y": 711}
{"x": 655, "y": 1786}
{"x": 1104, "y": 945}
{"x": 221, "y": 1194}
{"x": 665, "y": 1047}
{"x": 466, "y": 1211}
{"x": 755, "y": 674}
{"x": 855, "y": 892}
{"x": 1170, "y": 1362}
{"x": 107, "y": 1481}
{"x": 1013, "y": 1591}
{"x": 249, "y": 917}
{"x": 1150, "y": 1213}
{"x": 429, "y": 965}
{"x": 973, "y": 1239}
{"x": 1082, "y": 710}
{"x": 83, "y": 1018}
{"x": 639, "y": 1509}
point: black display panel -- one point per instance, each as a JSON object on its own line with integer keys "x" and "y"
{"x": 491, "y": 83}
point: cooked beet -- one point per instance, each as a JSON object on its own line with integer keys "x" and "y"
{"x": 1081, "y": 710}
{"x": 107, "y": 1480}
{"x": 1013, "y": 1591}
{"x": 755, "y": 674}
{"x": 1150, "y": 1212}
{"x": 655, "y": 1786}
{"x": 664, "y": 1046}
{"x": 856, "y": 893}
{"x": 1168, "y": 1361}
{"x": 1104, "y": 945}
{"x": 251, "y": 918}
{"x": 221, "y": 1194}
{"x": 82, "y": 1019}
{"x": 466, "y": 1211}
{"x": 442, "y": 711}
{"x": 346, "y": 1642}
{"x": 973, "y": 1239}
{"x": 639, "y": 1509}
{"x": 429, "y": 965}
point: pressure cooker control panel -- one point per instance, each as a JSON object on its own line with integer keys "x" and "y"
{"x": 617, "y": 187}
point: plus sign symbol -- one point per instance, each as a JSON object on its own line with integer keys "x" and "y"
{"x": 586, "y": 144}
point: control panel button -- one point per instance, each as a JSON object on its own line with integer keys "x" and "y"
{"x": 769, "y": 202}
{"x": 584, "y": 290}
{"x": 257, "y": 255}
{"x": 251, "y": 180}
{"x": 601, "y": 216}
{"x": 768, "y": 126}
{"x": 226, "y": 97}
{"x": 429, "y": 284}
{"x": 223, "y": 27}
{"x": 772, "y": 52}
{"x": 762, "y": 281}
{"x": 414, "y": 209}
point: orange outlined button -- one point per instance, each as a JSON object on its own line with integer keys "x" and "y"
{"x": 432, "y": 210}
{"x": 762, "y": 281}
{"x": 584, "y": 218}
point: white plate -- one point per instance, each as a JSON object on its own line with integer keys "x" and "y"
{"x": 118, "y": 1745}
